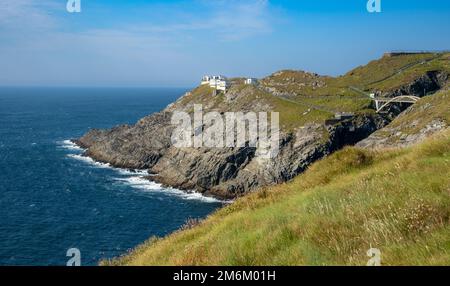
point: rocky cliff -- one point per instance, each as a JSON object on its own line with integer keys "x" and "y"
{"x": 428, "y": 116}
{"x": 230, "y": 172}
{"x": 220, "y": 172}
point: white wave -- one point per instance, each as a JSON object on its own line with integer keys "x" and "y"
{"x": 69, "y": 145}
{"x": 133, "y": 172}
{"x": 147, "y": 185}
{"x": 90, "y": 161}
{"x": 136, "y": 178}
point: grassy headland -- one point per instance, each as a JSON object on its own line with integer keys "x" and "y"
{"x": 302, "y": 97}
{"x": 395, "y": 200}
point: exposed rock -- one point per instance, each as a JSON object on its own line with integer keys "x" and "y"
{"x": 232, "y": 172}
{"x": 394, "y": 137}
{"x": 292, "y": 80}
{"x": 430, "y": 115}
{"x": 429, "y": 82}
{"x": 220, "y": 172}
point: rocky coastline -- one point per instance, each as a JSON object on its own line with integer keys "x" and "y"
{"x": 228, "y": 173}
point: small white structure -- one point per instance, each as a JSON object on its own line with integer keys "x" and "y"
{"x": 218, "y": 82}
{"x": 251, "y": 81}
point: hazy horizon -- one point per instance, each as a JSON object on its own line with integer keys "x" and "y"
{"x": 144, "y": 43}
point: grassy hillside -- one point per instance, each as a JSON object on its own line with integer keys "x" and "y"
{"x": 426, "y": 110}
{"x": 302, "y": 97}
{"x": 241, "y": 97}
{"x": 396, "y": 200}
{"x": 383, "y": 74}
{"x": 420, "y": 119}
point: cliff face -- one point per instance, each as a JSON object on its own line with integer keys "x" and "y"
{"x": 427, "y": 117}
{"x": 220, "y": 172}
{"x": 231, "y": 172}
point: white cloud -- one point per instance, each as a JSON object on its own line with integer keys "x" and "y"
{"x": 26, "y": 14}
{"x": 35, "y": 49}
{"x": 239, "y": 19}
{"x": 226, "y": 20}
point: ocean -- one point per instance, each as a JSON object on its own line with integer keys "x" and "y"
{"x": 53, "y": 199}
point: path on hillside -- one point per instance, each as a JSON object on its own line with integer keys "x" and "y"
{"x": 353, "y": 88}
{"x": 360, "y": 91}
{"x": 402, "y": 69}
{"x": 308, "y": 105}
{"x": 399, "y": 71}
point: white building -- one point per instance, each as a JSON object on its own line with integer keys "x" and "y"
{"x": 252, "y": 81}
{"x": 218, "y": 82}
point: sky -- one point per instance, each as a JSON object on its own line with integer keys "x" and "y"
{"x": 172, "y": 43}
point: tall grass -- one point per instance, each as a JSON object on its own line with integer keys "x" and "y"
{"x": 397, "y": 201}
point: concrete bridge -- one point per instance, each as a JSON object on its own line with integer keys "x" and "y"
{"x": 382, "y": 102}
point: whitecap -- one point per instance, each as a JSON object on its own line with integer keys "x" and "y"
{"x": 133, "y": 172}
{"x": 144, "y": 184}
{"x": 136, "y": 178}
{"x": 89, "y": 161}
{"x": 92, "y": 162}
{"x": 69, "y": 145}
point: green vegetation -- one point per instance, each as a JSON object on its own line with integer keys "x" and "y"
{"x": 396, "y": 200}
{"x": 384, "y": 74}
{"x": 251, "y": 98}
{"x": 302, "y": 98}
{"x": 420, "y": 66}
{"x": 428, "y": 110}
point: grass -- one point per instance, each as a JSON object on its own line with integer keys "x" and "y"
{"x": 310, "y": 98}
{"x": 432, "y": 108}
{"x": 250, "y": 98}
{"x": 383, "y": 74}
{"x": 396, "y": 200}
{"x": 438, "y": 63}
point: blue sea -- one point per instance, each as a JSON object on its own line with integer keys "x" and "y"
{"x": 53, "y": 199}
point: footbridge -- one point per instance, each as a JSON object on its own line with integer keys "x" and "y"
{"x": 383, "y": 102}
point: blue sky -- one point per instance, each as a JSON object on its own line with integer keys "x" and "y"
{"x": 175, "y": 42}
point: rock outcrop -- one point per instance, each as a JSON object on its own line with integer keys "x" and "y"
{"x": 428, "y": 116}
{"x": 219, "y": 172}
{"x": 231, "y": 172}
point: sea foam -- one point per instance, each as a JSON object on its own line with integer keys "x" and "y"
{"x": 89, "y": 160}
{"x": 144, "y": 184}
{"x": 137, "y": 178}
{"x": 69, "y": 145}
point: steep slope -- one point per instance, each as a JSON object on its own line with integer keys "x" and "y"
{"x": 305, "y": 103}
{"x": 395, "y": 200}
{"x": 428, "y": 116}
{"x": 383, "y": 75}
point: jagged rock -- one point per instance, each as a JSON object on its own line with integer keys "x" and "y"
{"x": 430, "y": 115}
{"x": 232, "y": 172}
{"x": 220, "y": 172}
